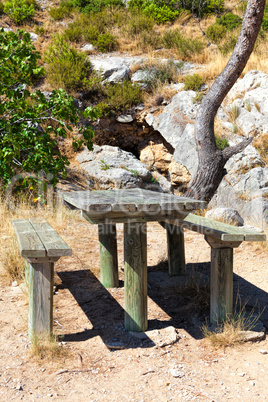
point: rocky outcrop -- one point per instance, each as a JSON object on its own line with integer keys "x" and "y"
{"x": 110, "y": 167}
{"x": 226, "y": 215}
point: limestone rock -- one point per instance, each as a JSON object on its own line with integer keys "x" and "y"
{"x": 110, "y": 167}
{"x": 244, "y": 161}
{"x": 125, "y": 118}
{"x": 186, "y": 151}
{"x": 114, "y": 69}
{"x": 88, "y": 47}
{"x": 179, "y": 175}
{"x": 161, "y": 337}
{"x": 226, "y": 215}
{"x": 173, "y": 120}
{"x": 33, "y": 36}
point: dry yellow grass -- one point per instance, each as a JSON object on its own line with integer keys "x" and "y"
{"x": 47, "y": 348}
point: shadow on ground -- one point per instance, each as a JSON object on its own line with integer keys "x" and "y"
{"x": 184, "y": 299}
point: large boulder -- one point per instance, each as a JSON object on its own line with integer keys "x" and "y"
{"x": 186, "y": 150}
{"x": 174, "y": 117}
{"x": 226, "y": 215}
{"x": 113, "y": 69}
{"x": 110, "y": 167}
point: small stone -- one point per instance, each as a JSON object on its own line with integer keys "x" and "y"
{"x": 125, "y": 118}
{"x": 252, "y": 383}
{"x": 87, "y": 48}
{"x": 241, "y": 374}
{"x": 263, "y": 352}
{"x": 33, "y": 36}
{"x": 15, "y": 283}
{"x": 176, "y": 373}
{"x": 19, "y": 387}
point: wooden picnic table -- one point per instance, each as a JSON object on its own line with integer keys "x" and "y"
{"x": 134, "y": 208}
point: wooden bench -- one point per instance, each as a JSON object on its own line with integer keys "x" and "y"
{"x": 222, "y": 238}
{"x": 40, "y": 246}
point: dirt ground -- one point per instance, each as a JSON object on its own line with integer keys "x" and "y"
{"x": 103, "y": 362}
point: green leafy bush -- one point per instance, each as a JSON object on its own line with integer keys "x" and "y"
{"x": 230, "y": 21}
{"x": 66, "y": 67}
{"x": 90, "y": 34}
{"x": 27, "y": 119}
{"x": 186, "y": 47}
{"x": 168, "y": 10}
{"x": 106, "y": 42}
{"x": 193, "y": 82}
{"x": 229, "y": 44}
{"x": 19, "y": 10}
{"x": 216, "y": 32}
{"x": 94, "y": 6}
{"x": 264, "y": 24}
{"x": 58, "y": 13}
{"x": 121, "y": 96}
{"x": 1, "y": 7}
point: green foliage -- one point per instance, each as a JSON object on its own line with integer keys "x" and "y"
{"x": 106, "y": 42}
{"x": 168, "y": 10}
{"x": 19, "y": 10}
{"x": 30, "y": 123}
{"x": 221, "y": 143}
{"x": 193, "y": 82}
{"x": 66, "y": 67}
{"x": 121, "y": 96}
{"x": 104, "y": 165}
{"x": 139, "y": 23}
{"x": 186, "y": 47}
{"x": 58, "y": 13}
{"x": 162, "y": 73}
{"x": 40, "y": 30}
{"x": 1, "y": 7}
{"x": 216, "y": 32}
{"x": 94, "y": 6}
{"x": 264, "y": 24}
{"x": 230, "y": 21}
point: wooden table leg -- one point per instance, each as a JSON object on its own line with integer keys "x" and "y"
{"x": 135, "y": 254}
{"x": 40, "y": 277}
{"x": 108, "y": 255}
{"x": 221, "y": 295}
{"x": 176, "y": 253}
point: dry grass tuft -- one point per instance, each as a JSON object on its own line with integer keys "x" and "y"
{"x": 232, "y": 331}
{"x": 47, "y": 347}
{"x": 261, "y": 144}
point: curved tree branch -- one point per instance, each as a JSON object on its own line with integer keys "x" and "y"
{"x": 211, "y": 161}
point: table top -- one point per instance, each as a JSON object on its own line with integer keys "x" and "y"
{"x": 136, "y": 204}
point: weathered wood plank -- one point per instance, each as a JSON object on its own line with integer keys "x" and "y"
{"x": 119, "y": 217}
{"x": 29, "y": 242}
{"x": 41, "y": 298}
{"x": 55, "y": 246}
{"x": 176, "y": 253}
{"x": 221, "y": 284}
{"x": 108, "y": 256}
{"x": 135, "y": 253}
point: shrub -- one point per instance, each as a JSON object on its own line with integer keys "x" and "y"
{"x": 230, "y": 21}
{"x": 139, "y": 23}
{"x": 1, "y": 7}
{"x": 150, "y": 40}
{"x": 74, "y": 32}
{"x": 90, "y": 34}
{"x": 19, "y": 10}
{"x": 106, "y": 42}
{"x": 58, "y": 13}
{"x": 216, "y": 32}
{"x": 193, "y": 82}
{"x": 160, "y": 14}
{"x": 94, "y": 6}
{"x": 67, "y": 67}
{"x": 186, "y": 47}
{"x": 162, "y": 73}
{"x": 122, "y": 96}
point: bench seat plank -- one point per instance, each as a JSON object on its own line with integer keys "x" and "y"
{"x": 219, "y": 230}
{"x": 55, "y": 246}
{"x": 29, "y": 242}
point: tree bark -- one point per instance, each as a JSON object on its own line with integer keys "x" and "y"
{"x": 211, "y": 160}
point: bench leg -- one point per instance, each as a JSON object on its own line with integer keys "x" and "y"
{"x": 221, "y": 284}
{"x": 108, "y": 255}
{"x": 41, "y": 297}
{"x": 135, "y": 254}
{"x": 176, "y": 252}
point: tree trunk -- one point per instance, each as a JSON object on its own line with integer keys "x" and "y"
{"x": 211, "y": 160}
